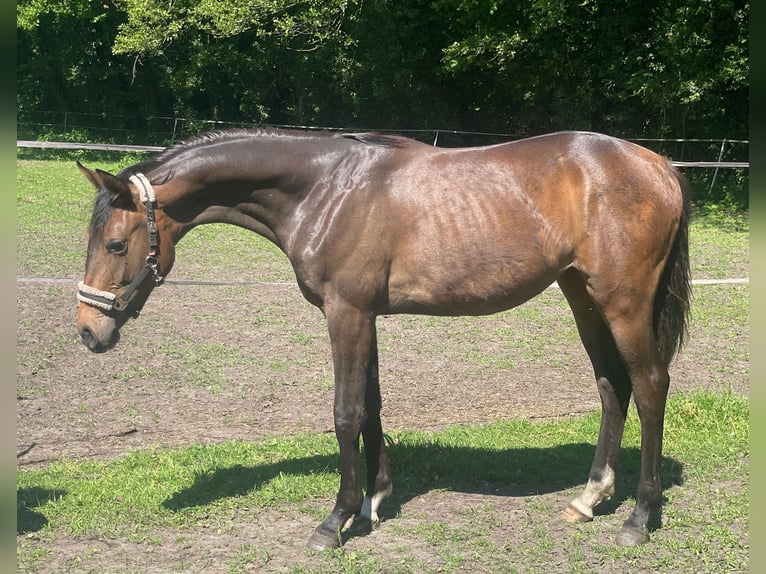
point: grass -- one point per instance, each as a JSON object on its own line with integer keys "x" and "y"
{"x": 714, "y": 236}
{"x": 180, "y": 491}
{"x": 130, "y": 495}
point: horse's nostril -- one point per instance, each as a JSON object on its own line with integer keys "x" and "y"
{"x": 86, "y": 336}
{"x": 94, "y": 343}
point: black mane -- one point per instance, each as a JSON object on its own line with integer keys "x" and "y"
{"x": 378, "y": 139}
{"x": 233, "y": 134}
{"x": 102, "y": 211}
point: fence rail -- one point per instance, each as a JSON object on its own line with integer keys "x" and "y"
{"x": 87, "y": 146}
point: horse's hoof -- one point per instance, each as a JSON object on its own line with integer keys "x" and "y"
{"x": 628, "y": 536}
{"x": 321, "y": 541}
{"x": 571, "y": 514}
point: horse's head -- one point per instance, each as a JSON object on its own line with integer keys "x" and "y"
{"x": 129, "y": 251}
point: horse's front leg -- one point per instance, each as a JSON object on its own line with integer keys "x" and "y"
{"x": 352, "y": 337}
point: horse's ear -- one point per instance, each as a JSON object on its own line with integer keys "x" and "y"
{"x": 105, "y": 180}
{"x": 91, "y": 175}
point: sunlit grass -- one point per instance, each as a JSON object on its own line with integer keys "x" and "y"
{"x": 706, "y": 451}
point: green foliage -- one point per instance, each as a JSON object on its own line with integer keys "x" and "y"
{"x": 725, "y": 188}
{"x": 661, "y": 68}
{"x": 152, "y": 25}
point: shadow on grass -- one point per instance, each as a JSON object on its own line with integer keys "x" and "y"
{"x": 417, "y": 469}
{"x": 29, "y": 520}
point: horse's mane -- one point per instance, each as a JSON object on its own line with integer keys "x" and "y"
{"x": 378, "y": 139}
{"x": 233, "y": 134}
{"x": 193, "y": 142}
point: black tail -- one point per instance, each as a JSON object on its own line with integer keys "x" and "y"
{"x": 674, "y": 292}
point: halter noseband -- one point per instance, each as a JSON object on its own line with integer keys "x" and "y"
{"x": 109, "y": 301}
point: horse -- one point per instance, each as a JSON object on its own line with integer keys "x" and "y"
{"x": 378, "y": 224}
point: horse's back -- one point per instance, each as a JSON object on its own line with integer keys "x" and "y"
{"x": 481, "y": 229}
{"x": 414, "y": 228}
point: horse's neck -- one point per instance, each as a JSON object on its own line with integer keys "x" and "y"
{"x": 251, "y": 186}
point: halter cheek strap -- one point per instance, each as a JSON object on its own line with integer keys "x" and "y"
{"x": 108, "y": 301}
{"x": 150, "y": 198}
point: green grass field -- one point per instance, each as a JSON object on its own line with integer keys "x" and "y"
{"x": 136, "y": 495}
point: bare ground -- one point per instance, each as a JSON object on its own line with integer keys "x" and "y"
{"x": 209, "y": 364}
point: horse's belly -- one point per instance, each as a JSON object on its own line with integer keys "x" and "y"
{"x": 439, "y": 292}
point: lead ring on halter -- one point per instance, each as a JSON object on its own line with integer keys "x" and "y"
{"x": 108, "y": 301}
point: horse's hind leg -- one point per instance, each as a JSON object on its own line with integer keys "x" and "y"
{"x": 614, "y": 388}
{"x": 650, "y": 380}
{"x": 628, "y": 315}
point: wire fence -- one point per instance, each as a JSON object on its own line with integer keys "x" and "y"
{"x": 116, "y": 132}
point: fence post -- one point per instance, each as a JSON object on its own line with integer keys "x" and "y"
{"x": 715, "y": 173}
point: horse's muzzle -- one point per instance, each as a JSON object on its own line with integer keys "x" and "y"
{"x": 99, "y": 333}
{"x": 96, "y": 344}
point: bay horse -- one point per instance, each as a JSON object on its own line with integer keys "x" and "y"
{"x": 376, "y": 224}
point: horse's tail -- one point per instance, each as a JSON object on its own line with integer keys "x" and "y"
{"x": 674, "y": 292}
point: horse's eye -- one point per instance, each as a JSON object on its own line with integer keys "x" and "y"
{"x": 116, "y": 246}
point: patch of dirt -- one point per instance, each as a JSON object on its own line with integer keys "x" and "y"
{"x": 209, "y": 364}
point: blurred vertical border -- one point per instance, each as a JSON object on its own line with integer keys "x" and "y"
{"x": 8, "y": 282}
{"x": 757, "y": 282}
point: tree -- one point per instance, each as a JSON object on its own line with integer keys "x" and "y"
{"x": 673, "y": 68}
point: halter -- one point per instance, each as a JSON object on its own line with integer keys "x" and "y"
{"x": 108, "y": 301}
